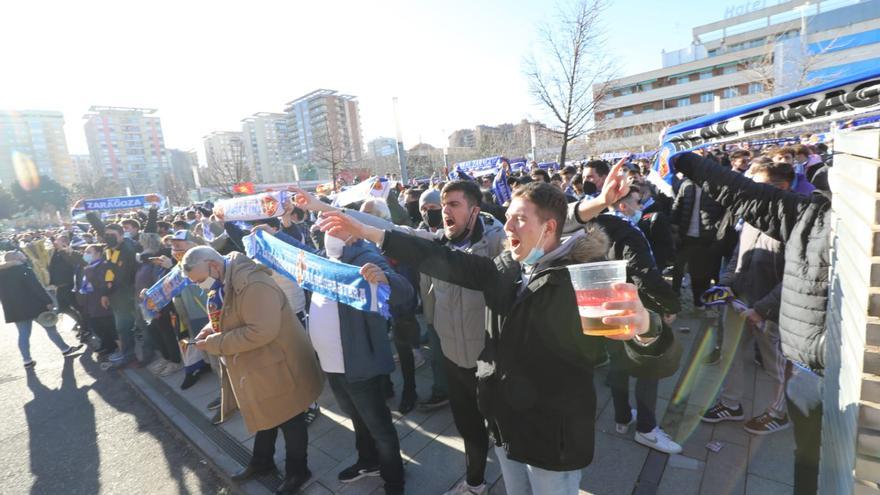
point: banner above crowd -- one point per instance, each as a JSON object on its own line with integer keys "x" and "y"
{"x": 118, "y": 203}
{"x": 253, "y": 207}
{"x": 374, "y": 187}
{"x": 842, "y": 98}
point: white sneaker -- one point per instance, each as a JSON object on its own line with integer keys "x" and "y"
{"x": 419, "y": 358}
{"x": 464, "y": 489}
{"x": 157, "y": 365}
{"x": 624, "y": 428}
{"x": 657, "y": 439}
{"x": 170, "y": 369}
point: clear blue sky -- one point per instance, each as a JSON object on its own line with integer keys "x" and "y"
{"x": 207, "y": 65}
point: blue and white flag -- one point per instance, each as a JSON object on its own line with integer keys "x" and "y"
{"x": 844, "y": 97}
{"x": 374, "y": 187}
{"x": 252, "y": 207}
{"x": 162, "y": 292}
{"x": 118, "y": 203}
{"x": 340, "y": 282}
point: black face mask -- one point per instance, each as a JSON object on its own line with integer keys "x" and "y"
{"x": 412, "y": 208}
{"x": 433, "y": 218}
{"x": 111, "y": 241}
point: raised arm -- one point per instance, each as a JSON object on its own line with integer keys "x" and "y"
{"x": 772, "y": 210}
{"x": 467, "y": 270}
{"x": 616, "y": 187}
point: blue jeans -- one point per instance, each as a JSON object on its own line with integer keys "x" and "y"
{"x": 375, "y": 437}
{"x": 523, "y": 479}
{"x": 124, "y": 318}
{"x": 24, "y": 338}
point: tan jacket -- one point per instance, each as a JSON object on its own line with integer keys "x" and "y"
{"x": 271, "y": 370}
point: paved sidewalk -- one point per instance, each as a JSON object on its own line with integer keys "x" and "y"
{"x": 434, "y": 458}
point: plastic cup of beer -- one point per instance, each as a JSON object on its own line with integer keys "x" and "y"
{"x": 593, "y": 286}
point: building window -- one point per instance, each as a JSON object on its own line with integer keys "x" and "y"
{"x": 609, "y": 115}
{"x": 706, "y": 74}
{"x": 707, "y": 97}
{"x": 626, "y": 91}
{"x": 755, "y": 88}
{"x": 683, "y": 102}
{"x": 648, "y": 108}
{"x": 627, "y": 112}
{"x": 730, "y": 69}
{"x": 682, "y": 80}
{"x": 730, "y": 93}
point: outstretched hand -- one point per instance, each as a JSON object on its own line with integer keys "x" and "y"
{"x": 307, "y": 201}
{"x": 343, "y": 226}
{"x": 616, "y": 184}
{"x": 634, "y": 317}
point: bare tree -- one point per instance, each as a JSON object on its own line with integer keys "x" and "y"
{"x": 175, "y": 191}
{"x": 227, "y": 171}
{"x": 571, "y": 77}
{"x": 97, "y": 187}
{"x": 765, "y": 70}
{"x": 332, "y": 151}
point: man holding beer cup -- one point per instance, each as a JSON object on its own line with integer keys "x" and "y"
{"x": 536, "y": 371}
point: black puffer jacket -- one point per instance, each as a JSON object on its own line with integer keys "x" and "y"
{"x": 683, "y": 207}
{"x": 630, "y": 244}
{"x": 803, "y": 224}
{"x": 539, "y": 401}
{"x": 21, "y": 294}
{"x": 657, "y": 229}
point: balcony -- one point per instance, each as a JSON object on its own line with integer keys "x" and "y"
{"x": 677, "y": 90}
{"x": 678, "y": 113}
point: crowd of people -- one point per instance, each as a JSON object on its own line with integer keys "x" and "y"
{"x": 476, "y": 271}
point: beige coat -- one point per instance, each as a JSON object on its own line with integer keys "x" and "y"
{"x": 271, "y": 370}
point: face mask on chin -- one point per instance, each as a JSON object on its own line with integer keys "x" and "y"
{"x": 207, "y": 284}
{"x": 467, "y": 229}
{"x": 333, "y": 246}
{"x": 537, "y": 252}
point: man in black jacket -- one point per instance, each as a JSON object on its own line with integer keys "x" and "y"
{"x": 536, "y": 371}
{"x": 629, "y": 243}
{"x": 803, "y": 224}
{"x": 696, "y": 217}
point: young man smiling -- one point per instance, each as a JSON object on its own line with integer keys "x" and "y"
{"x": 535, "y": 374}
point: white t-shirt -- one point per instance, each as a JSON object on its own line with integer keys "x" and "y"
{"x": 325, "y": 333}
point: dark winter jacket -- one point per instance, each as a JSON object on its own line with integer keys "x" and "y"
{"x": 803, "y": 224}
{"x": 535, "y": 374}
{"x": 658, "y": 230}
{"x": 755, "y": 271}
{"x": 91, "y": 303}
{"x": 630, "y": 244}
{"x": 62, "y": 267}
{"x": 21, "y": 294}
{"x": 683, "y": 207}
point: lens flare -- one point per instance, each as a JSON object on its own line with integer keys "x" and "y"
{"x": 25, "y": 171}
{"x": 700, "y": 382}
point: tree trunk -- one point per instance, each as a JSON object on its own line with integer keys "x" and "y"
{"x": 564, "y": 150}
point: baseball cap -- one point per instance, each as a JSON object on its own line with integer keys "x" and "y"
{"x": 183, "y": 235}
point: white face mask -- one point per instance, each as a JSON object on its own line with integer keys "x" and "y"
{"x": 207, "y": 284}
{"x": 333, "y": 246}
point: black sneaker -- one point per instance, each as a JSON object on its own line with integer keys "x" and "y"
{"x": 719, "y": 412}
{"x": 356, "y": 472}
{"x": 191, "y": 378}
{"x": 215, "y": 404}
{"x": 70, "y": 350}
{"x": 292, "y": 484}
{"x": 436, "y": 401}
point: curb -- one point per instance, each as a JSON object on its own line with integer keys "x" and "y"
{"x": 218, "y": 459}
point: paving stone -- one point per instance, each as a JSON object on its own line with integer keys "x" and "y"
{"x": 725, "y": 471}
{"x": 772, "y": 456}
{"x": 615, "y": 467}
{"x": 755, "y": 485}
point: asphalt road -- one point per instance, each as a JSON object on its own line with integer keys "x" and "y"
{"x": 66, "y": 427}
